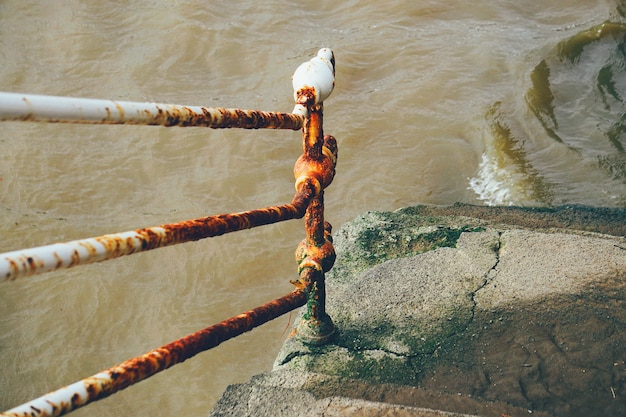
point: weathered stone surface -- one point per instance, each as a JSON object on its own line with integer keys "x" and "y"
{"x": 394, "y": 312}
{"x": 289, "y": 394}
{"x": 499, "y": 312}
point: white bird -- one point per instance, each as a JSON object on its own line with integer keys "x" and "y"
{"x": 317, "y": 76}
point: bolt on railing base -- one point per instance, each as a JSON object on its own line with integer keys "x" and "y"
{"x": 316, "y": 331}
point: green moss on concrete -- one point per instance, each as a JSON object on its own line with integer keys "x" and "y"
{"x": 378, "y": 367}
{"x": 418, "y": 337}
{"x": 370, "y": 365}
{"x": 376, "y": 237}
{"x": 381, "y": 353}
{"x": 455, "y": 319}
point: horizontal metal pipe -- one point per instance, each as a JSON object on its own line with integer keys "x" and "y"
{"x": 39, "y": 108}
{"x": 114, "y": 379}
{"x": 65, "y": 255}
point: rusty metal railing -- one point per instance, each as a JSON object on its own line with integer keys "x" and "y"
{"x": 313, "y": 81}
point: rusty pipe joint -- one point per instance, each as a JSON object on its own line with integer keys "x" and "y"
{"x": 309, "y": 254}
{"x": 309, "y": 270}
{"x": 314, "y": 260}
{"x": 320, "y": 171}
{"x": 329, "y": 148}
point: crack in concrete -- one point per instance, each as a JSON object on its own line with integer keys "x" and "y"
{"x": 488, "y": 278}
{"x": 291, "y": 356}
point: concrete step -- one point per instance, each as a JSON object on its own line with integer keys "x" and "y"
{"x": 293, "y": 394}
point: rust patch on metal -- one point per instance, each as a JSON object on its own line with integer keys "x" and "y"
{"x": 158, "y": 114}
{"x": 330, "y": 148}
{"x": 306, "y": 190}
{"x": 120, "y": 110}
{"x": 321, "y": 169}
{"x": 108, "y": 116}
{"x": 220, "y": 118}
{"x": 59, "y": 263}
{"x": 306, "y": 96}
{"x": 212, "y": 226}
{"x": 70, "y": 254}
{"x": 321, "y": 254}
{"x": 139, "y": 368}
{"x": 14, "y": 267}
{"x": 312, "y": 133}
{"x": 75, "y": 258}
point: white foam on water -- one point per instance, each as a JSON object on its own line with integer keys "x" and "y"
{"x": 493, "y": 185}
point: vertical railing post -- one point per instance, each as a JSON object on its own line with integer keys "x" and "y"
{"x": 313, "y": 81}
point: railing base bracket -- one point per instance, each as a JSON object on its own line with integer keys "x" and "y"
{"x": 316, "y": 332}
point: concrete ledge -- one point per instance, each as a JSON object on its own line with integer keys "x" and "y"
{"x": 289, "y": 394}
{"x": 462, "y": 311}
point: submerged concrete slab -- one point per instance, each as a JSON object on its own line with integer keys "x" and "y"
{"x": 465, "y": 313}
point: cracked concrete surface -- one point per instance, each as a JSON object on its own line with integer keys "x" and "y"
{"x": 532, "y": 319}
{"x": 379, "y": 310}
{"x": 405, "y": 307}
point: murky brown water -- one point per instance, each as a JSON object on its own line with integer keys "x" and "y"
{"x": 490, "y": 102}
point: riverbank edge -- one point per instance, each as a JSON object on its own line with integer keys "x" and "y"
{"x": 388, "y": 359}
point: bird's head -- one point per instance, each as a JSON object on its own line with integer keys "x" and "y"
{"x": 328, "y": 55}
